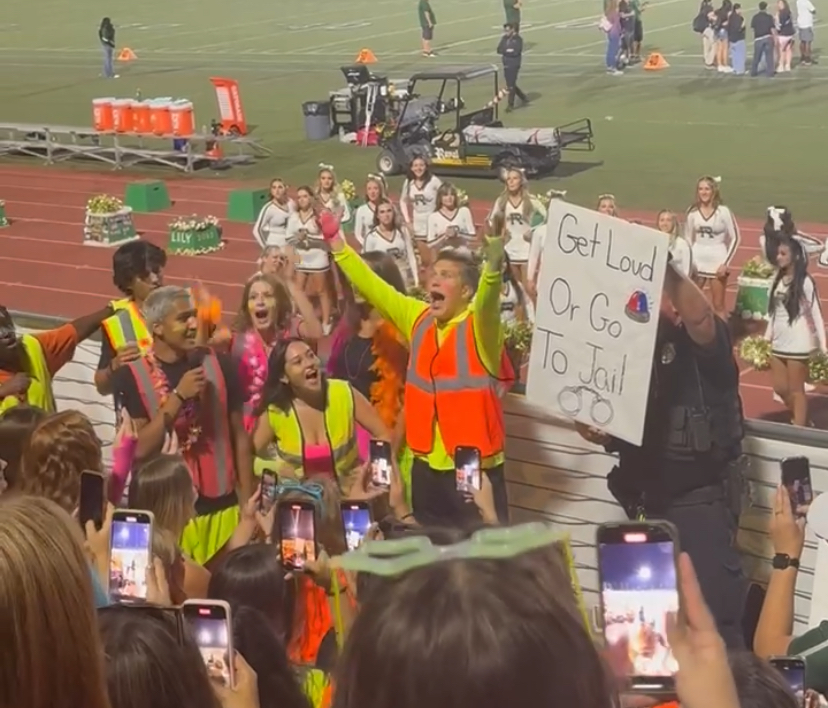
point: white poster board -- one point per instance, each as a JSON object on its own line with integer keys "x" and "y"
{"x": 599, "y": 294}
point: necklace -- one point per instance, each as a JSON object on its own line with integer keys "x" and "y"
{"x": 188, "y": 416}
{"x": 353, "y": 376}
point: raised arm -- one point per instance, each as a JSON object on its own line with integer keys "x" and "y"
{"x": 488, "y": 327}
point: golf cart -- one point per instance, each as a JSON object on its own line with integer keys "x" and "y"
{"x": 472, "y": 142}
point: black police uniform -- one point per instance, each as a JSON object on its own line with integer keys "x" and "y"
{"x": 511, "y": 49}
{"x": 687, "y": 470}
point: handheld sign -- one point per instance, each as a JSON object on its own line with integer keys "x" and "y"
{"x": 599, "y": 295}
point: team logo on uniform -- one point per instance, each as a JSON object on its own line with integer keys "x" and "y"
{"x": 668, "y": 353}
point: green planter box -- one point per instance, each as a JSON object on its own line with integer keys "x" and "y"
{"x": 195, "y": 242}
{"x": 244, "y": 205}
{"x": 752, "y": 297}
{"x": 109, "y": 229}
{"x": 3, "y": 220}
{"x": 147, "y": 196}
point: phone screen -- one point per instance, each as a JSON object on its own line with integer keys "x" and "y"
{"x": 380, "y": 463}
{"x": 637, "y": 567}
{"x": 792, "y": 669}
{"x": 297, "y": 527}
{"x": 270, "y": 481}
{"x": 91, "y": 499}
{"x": 356, "y": 518}
{"x": 467, "y": 468}
{"x": 209, "y": 625}
{"x": 796, "y": 477}
{"x": 130, "y": 555}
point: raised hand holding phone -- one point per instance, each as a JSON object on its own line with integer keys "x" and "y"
{"x": 245, "y": 692}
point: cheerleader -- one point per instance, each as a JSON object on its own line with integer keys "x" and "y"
{"x": 451, "y": 225}
{"x": 667, "y": 223}
{"x": 607, "y": 205}
{"x": 795, "y": 328}
{"x": 780, "y": 226}
{"x": 375, "y": 192}
{"x": 536, "y": 248}
{"x": 390, "y": 237}
{"x": 329, "y": 194}
{"x": 270, "y": 228}
{"x": 714, "y": 238}
{"x": 514, "y": 305}
{"x": 314, "y": 264}
{"x": 417, "y": 202}
{"x": 520, "y": 213}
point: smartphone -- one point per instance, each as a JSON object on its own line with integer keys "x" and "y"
{"x": 210, "y": 625}
{"x": 356, "y": 520}
{"x": 639, "y": 589}
{"x": 130, "y": 554}
{"x": 297, "y": 533}
{"x": 467, "y": 468}
{"x": 92, "y": 501}
{"x": 796, "y": 478}
{"x": 270, "y": 480}
{"x": 380, "y": 456}
{"x": 792, "y": 669}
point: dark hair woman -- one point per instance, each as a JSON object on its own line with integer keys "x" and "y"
{"x": 106, "y": 36}
{"x": 795, "y": 327}
{"x": 16, "y": 427}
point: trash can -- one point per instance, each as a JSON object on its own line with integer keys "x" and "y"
{"x": 317, "y": 120}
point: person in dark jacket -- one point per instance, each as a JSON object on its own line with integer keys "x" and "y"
{"x": 511, "y": 49}
{"x": 106, "y": 35}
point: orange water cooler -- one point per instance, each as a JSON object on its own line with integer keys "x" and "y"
{"x": 122, "y": 115}
{"x": 182, "y": 118}
{"x": 142, "y": 117}
{"x": 102, "y": 116}
{"x": 160, "y": 119}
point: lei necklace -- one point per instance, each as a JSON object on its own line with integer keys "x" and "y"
{"x": 189, "y": 409}
{"x": 390, "y": 359}
{"x": 256, "y": 361}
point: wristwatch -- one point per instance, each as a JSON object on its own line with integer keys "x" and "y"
{"x": 782, "y": 561}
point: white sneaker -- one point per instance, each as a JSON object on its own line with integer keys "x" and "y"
{"x": 726, "y": 69}
{"x": 327, "y": 328}
{"x": 615, "y": 72}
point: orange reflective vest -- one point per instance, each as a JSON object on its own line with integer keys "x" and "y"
{"x": 448, "y": 385}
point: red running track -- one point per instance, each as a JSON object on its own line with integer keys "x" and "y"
{"x": 46, "y": 269}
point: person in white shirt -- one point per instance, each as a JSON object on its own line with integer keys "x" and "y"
{"x": 714, "y": 237}
{"x": 451, "y": 224}
{"x": 391, "y": 237}
{"x": 305, "y": 236}
{"x": 680, "y": 250}
{"x": 795, "y": 329}
{"x": 514, "y": 305}
{"x": 536, "y": 248}
{"x": 329, "y": 194}
{"x": 417, "y": 201}
{"x": 519, "y": 213}
{"x": 805, "y": 12}
{"x": 270, "y": 228}
{"x": 375, "y": 192}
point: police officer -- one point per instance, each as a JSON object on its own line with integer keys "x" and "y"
{"x": 511, "y": 49}
{"x": 686, "y": 470}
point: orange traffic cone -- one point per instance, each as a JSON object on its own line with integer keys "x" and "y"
{"x": 655, "y": 62}
{"x": 126, "y": 54}
{"x": 366, "y": 56}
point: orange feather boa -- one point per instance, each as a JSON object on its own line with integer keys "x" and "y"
{"x": 390, "y": 361}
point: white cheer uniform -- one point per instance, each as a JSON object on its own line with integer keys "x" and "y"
{"x": 418, "y": 203}
{"x": 509, "y": 303}
{"x": 713, "y": 241}
{"x": 270, "y": 228}
{"x": 439, "y": 225}
{"x": 518, "y": 228}
{"x": 400, "y": 248}
{"x": 800, "y": 338}
{"x": 682, "y": 256}
{"x": 363, "y": 221}
{"x": 336, "y": 202}
{"x": 306, "y": 238}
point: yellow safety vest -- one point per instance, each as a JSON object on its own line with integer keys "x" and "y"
{"x": 127, "y": 326}
{"x": 40, "y": 387}
{"x": 340, "y": 427}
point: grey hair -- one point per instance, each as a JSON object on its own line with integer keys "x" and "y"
{"x": 160, "y": 301}
{"x": 268, "y": 250}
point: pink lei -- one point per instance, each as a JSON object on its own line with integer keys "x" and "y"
{"x": 253, "y": 375}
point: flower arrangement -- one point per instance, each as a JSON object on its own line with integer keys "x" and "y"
{"x": 818, "y": 368}
{"x": 462, "y": 198}
{"x": 348, "y": 190}
{"x": 104, "y": 204}
{"x": 757, "y": 267}
{"x": 518, "y": 336}
{"x": 194, "y": 223}
{"x": 543, "y": 199}
{"x": 755, "y": 351}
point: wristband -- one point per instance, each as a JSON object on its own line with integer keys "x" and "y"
{"x": 179, "y": 396}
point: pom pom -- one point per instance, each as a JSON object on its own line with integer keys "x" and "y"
{"x": 755, "y": 351}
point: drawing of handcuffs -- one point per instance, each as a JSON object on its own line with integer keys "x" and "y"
{"x": 571, "y": 401}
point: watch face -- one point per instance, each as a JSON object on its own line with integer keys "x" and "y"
{"x": 781, "y": 561}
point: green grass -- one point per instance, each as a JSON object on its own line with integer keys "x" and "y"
{"x": 655, "y": 132}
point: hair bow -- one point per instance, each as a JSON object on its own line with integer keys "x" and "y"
{"x": 601, "y": 197}
{"x": 324, "y": 167}
{"x": 556, "y": 194}
{"x": 775, "y": 215}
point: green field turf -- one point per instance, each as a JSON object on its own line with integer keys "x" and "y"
{"x": 655, "y": 132}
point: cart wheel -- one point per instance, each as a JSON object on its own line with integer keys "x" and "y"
{"x": 387, "y": 164}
